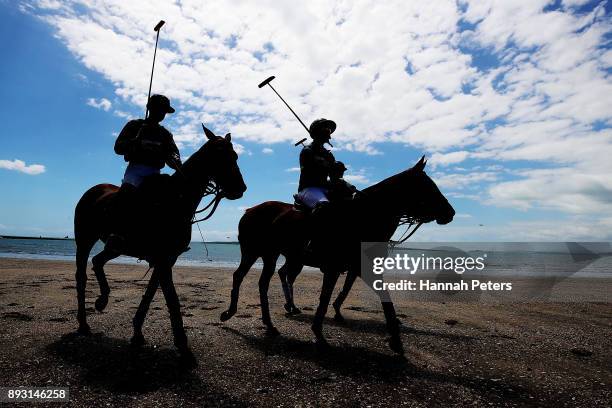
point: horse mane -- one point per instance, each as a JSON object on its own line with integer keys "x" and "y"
{"x": 391, "y": 180}
{"x": 195, "y": 157}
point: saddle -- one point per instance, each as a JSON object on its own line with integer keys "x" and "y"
{"x": 135, "y": 212}
{"x": 299, "y": 205}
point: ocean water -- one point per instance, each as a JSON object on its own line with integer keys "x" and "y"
{"x": 509, "y": 259}
{"x": 200, "y": 254}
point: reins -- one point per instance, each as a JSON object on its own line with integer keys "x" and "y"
{"x": 407, "y": 234}
{"x": 211, "y": 188}
{"x": 214, "y": 203}
{"x": 404, "y": 219}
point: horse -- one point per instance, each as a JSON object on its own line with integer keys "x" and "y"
{"x": 273, "y": 228}
{"x": 213, "y": 167}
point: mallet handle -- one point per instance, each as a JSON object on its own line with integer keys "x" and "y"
{"x": 157, "y": 27}
{"x": 294, "y": 114}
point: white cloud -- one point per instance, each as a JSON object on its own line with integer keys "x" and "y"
{"x": 565, "y": 189}
{"x": 460, "y": 181}
{"x": 19, "y": 165}
{"x": 445, "y": 159}
{"x": 101, "y": 103}
{"x": 267, "y": 150}
{"x": 358, "y": 177}
{"x": 293, "y": 169}
{"x": 240, "y": 149}
{"x": 406, "y": 73}
{"x": 122, "y": 114}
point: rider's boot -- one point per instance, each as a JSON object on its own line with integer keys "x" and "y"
{"x": 320, "y": 216}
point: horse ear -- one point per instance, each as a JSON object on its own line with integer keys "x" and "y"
{"x": 228, "y": 137}
{"x": 421, "y": 164}
{"x": 210, "y": 135}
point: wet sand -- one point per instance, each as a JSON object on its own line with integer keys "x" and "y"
{"x": 527, "y": 354}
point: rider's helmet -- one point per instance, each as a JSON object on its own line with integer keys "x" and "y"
{"x": 321, "y": 129}
{"x": 160, "y": 102}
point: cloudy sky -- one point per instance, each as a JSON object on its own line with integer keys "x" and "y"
{"x": 511, "y": 101}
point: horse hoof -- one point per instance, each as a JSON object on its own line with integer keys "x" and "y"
{"x": 395, "y": 343}
{"x": 225, "y": 316}
{"x": 272, "y": 331}
{"x": 338, "y": 318}
{"x": 84, "y": 330}
{"x": 187, "y": 359}
{"x": 322, "y": 345}
{"x": 101, "y": 303}
{"x": 288, "y": 308}
{"x": 292, "y": 310}
{"x": 137, "y": 340}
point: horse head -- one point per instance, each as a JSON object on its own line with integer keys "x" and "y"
{"x": 426, "y": 202}
{"x": 218, "y": 161}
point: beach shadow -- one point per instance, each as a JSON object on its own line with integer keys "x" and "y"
{"x": 114, "y": 365}
{"x": 345, "y": 360}
{"x": 379, "y": 327}
{"x": 370, "y": 366}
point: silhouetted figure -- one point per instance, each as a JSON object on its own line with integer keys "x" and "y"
{"x": 339, "y": 188}
{"x": 167, "y": 234}
{"x": 147, "y": 146}
{"x": 315, "y": 164}
{"x": 274, "y": 228}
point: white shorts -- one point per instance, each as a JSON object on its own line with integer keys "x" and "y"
{"x": 311, "y": 196}
{"x": 135, "y": 173}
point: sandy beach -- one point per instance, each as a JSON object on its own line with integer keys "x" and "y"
{"x": 526, "y": 354}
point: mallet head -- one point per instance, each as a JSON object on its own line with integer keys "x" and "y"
{"x": 159, "y": 25}
{"x": 266, "y": 82}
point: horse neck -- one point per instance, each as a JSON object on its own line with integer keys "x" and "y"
{"x": 379, "y": 203}
{"x": 384, "y": 195}
{"x": 192, "y": 177}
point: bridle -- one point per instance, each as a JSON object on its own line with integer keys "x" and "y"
{"x": 410, "y": 221}
{"x": 211, "y": 188}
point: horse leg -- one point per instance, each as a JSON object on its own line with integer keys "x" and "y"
{"x": 82, "y": 255}
{"x": 330, "y": 277}
{"x": 282, "y": 274}
{"x": 246, "y": 262}
{"x": 143, "y": 308}
{"x": 288, "y": 273}
{"x": 264, "y": 283}
{"x": 174, "y": 308}
{"x": 98, "y": 262}
{"x": 393, "y": 323}
{"x": 346, "y": 288}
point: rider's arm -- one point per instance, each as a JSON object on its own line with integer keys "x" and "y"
{"x": 126, "y": 139}
{"x": 306, "y": 158}
{"x": 173, "y": 159}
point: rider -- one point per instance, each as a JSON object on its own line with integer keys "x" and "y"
{"x": 315, "y": 164}
{"x": 339, "y": 188}
{"x": 147, "y": 146}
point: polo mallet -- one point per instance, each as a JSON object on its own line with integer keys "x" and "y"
{"x": 267, "y": 82}
{"x": 156, "y": 29}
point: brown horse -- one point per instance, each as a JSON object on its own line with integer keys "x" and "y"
{"x": 274, "y": 228}
{"x": 167, "y": 229}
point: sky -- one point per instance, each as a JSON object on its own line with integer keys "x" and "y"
{"x": 510, "y": 101}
